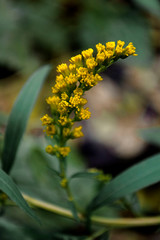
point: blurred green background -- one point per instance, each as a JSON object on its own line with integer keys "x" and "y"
{"x": 37, "y": 32}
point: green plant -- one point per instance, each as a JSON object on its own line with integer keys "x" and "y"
{"x": 67, "y": 107}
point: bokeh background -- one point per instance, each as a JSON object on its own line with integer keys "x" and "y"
{"x": 37, "y": 32}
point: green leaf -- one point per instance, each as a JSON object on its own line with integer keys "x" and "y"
{"x": 151, "y": 6}
{"x": 151, "y": 135}
{"x": 135, "y": 178}
{"x": 85, "y": 175}
{"x": 9, "y": 187}
{"x": 20, "y": 113}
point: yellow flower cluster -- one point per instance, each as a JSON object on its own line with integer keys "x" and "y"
{"x": 58, "y": 151}
{"x": 72, "y": 81}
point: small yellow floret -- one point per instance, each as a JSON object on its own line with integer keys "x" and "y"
{"x": 66, "y": 132}
{"x": 64, "y": 120}
{"x": 60, "y": 84}
{"x": 130, "y": 50}
{"x": 72, "y": 67}
{"x": 64, "y": 96}
{"x": 64, "y": 182}
{"x": 50, "y": 130}
{"x": 82, "y": 71}
{"x": 71, "y": 79}
{"x": 90, "y": 80}
{"x": 76, "y": 59}
{"x": 74, "y": 101}
{"x": 63, "y": 107}
{"x": 109, "y": 54}
{"x": 87, "y": 53}
{"x": 53, "y": 101}
{"x": 84, "y": 114}
{"x": 62, "y": 68}
{"x": 97, "y": 78}
{"x": 101, "y": 56}
{"x": 120, "y": 43}
{"x": 100, "y": 47}
{"x": 64, "y": 151}
{"x": 46, "y": 120}
{"x": 110, "y": 45}
{"x": 119, "y": 48}
{"x": 49, "y": 149}
{"x": 78, "y": 91}
{"x": 77, "y": 133}
{"x": 91, "y": 63}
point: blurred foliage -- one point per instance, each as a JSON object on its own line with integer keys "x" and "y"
{"x": 105, "y": 22}
{"x": 151, "y": 6}
{"x": 35, "y": 31}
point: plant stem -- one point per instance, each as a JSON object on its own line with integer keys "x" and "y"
{"x": 102, "y": 221}
{"x": 65, "y": 185}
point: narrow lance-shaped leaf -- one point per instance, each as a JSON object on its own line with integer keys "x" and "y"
{"x": 9, "y": 187}
{"x": 135, "y": 178}
{"x": 19, "y": 116}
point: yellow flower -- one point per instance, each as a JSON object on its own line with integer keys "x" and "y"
{"x": 101, "y": 56}
{"x": 46, "y": 120}
{"x": 110, "y": 45}
{"x": 50, "y": 130}
{"x": 120, "y": 43}
{"x": 50, "y": 149}
{"x": 73, "y": 80}
{"x": 62, "y": 68}
{"x": 109, "y": 54}
{"x": 65, "y": 121}
{"x": 64, "y": 96}
{"x": 90, "y": 80}
{"x": 91, "y": 63}
{"x": 87, "y": 53}
{"x": 82, "y": 71}
{"x": 100, "y": 48}
{"x": 60, "y": 84}
{"x": 78, "y": 91}
{"x": 64, "y": 151}
{"x": 83, "y": 114}
{"x": 119, "y": 48}
{"x": 63, "y": 107}
{"x": 77, "y": 60}
{"x": 64, "y": 182}
{"x": 77, "y": 133}
{"x": 130, "y": 50}
{"x": 53, "y": 102}
{"x": 72, "y": 67}
{"x": 74, "y": 101}
{"x": 66, "y": 132}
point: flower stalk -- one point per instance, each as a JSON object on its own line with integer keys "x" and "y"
{"x": 101, "y": 221}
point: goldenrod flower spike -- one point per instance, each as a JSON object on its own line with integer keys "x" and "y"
{"x": 72, "y": 81}
{"x": 67, "y": 103}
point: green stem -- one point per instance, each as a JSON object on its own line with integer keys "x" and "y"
{"x": 65, "y": 185}
{"x": 102, "y": 221}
